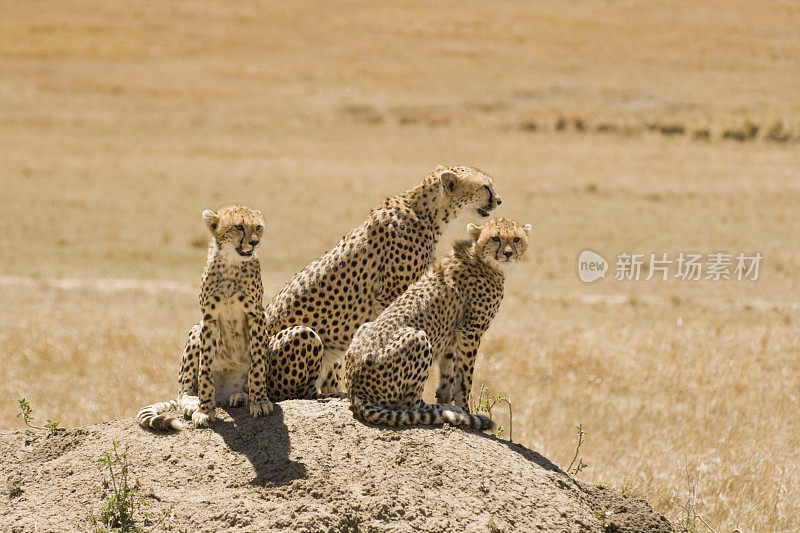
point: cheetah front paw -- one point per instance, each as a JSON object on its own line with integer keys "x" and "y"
{"x": 190, "y": 405}
{"x": 238, "y": 398}
{"x": 261, "y": 408}
{"x": 201, "y": 420}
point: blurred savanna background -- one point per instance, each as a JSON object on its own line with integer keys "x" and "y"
{"x": 629, "y": 126}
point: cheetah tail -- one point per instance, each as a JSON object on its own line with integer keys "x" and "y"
{"x": 155, "y": 417}
{"x": 455, "y": 418}
{"x": 435, "y": 414}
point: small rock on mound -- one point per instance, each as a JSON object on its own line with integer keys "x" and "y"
{"x": 308, "y": 467}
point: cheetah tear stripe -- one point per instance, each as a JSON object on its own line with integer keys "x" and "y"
{"x": 155, "y": 416}
{"x": 428, "y": 414}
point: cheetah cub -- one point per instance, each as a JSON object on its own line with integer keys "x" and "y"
{"x": 224, "y": 359}
{"x": 440, "y": 318}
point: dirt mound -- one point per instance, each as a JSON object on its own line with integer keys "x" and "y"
{"x": 309, "y": 467}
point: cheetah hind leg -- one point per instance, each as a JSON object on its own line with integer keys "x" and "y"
{"x": 209, "y": 340}
{"x": 295, "y": 361}
{"x": 188, "y": 400}
{"x": 406, "y": 360}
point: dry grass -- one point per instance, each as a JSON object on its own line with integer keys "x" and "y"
{"x": 121, "y": 122}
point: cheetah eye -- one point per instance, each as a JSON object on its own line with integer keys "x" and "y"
{"x": 496, "y": 238}
{"x": 516, "y": 239}
{"x": 259, "y": 229}
{"x": 239, "y": 227}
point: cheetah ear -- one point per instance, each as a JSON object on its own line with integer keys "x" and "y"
{"x": 527, "y": 228}
{"x": 211, "y": 219}
{"x": 474, "y": 231}
{"x": 439, "y": 168}
{"x": 448, "y": 180}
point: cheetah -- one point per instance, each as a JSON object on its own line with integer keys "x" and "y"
{"x": 440, "y": 318}
{"x": 224, "y": 359}
{"x": 369, "y": 267}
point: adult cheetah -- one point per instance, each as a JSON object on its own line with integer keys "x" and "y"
{"x": 440, "y": 318}
{"x": 326, "y": 302}
{"x": 226, "y": 350}
{"x": 369, "y": 267}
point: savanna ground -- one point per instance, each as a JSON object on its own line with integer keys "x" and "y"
{"x": 616, "y": 127}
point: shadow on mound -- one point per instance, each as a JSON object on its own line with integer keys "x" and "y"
{"x": 264, "y": 441}
{"x": 530, "y": 455}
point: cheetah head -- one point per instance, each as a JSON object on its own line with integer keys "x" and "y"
{"x": 499, "y": 242}
{"x": 466, "y": 187}
{"x": 235, "y": 230}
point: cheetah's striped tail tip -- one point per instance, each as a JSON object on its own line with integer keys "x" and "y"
{"x": 487, "y": 423}
{"x": 155, "y": 417}
{"x": 478, "y": 422}
{"x": 166, "y": 422}
{"x": 176, "y": 424}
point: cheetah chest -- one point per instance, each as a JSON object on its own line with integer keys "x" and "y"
{"x": 232, "y": 362}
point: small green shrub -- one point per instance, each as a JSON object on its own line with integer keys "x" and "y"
{"x": 26, "y": 413}
{"x": 734, "y": 134}
{"x": 581, "y": 463}
{"x": 750, "y": 129}
{"x": 777, "y": 133}
{"x": 671, "y": 129}
{"x": 125, "y": 500}
{"x": 486, "y": 402}
{"x": 605, "y": 127}
{"x": 604, "y": 513}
